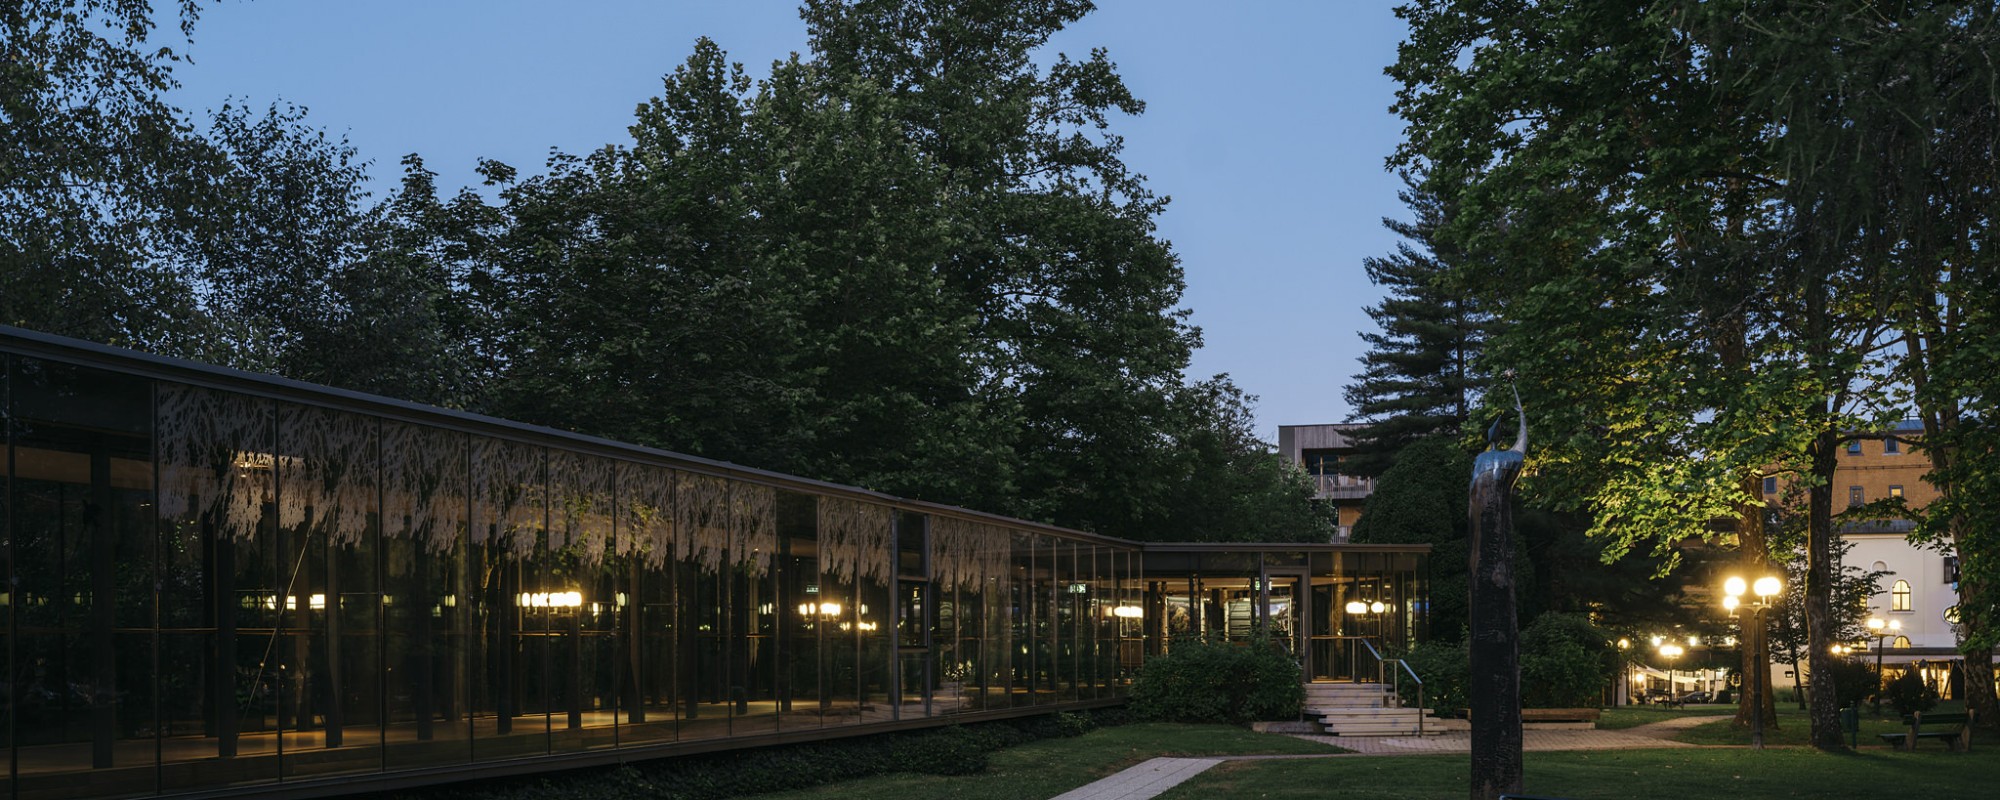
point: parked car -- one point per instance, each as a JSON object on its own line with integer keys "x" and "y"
{"x": 1696, "y": 697}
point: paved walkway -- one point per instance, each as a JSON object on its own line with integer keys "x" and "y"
{"x": 1143, "y": 781}
{"x": 1151, "y": 778}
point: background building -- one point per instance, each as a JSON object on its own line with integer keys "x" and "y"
{"x": 1321, "y": 450}
{"x": 1920, "y": 588}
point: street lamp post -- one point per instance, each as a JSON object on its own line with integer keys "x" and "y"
{"x": 1881, "y": 631}
{"x": 1767, "y": 589}
{"x": 1671, "y": 651}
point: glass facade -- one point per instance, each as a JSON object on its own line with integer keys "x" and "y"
{"x": 217, "y": 581}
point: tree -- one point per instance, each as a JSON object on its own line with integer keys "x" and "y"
{"x": 1853, "y": 588}
{"x": 1417, "y": 377}
{"x": 94, "y": 168}
{"x": 1223, "y": 484}
{"x": 1421, "y": 500}
{"x": 909, "y": 260}
{"x": 1655, "y": 271}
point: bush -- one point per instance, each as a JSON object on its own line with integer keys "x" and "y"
{"x": 1909, "y": 693}
{"x": 1565, "y": 662}
{"x": 1853, "y": 681}
{"x": 952, "y": 750}
{"x": 1443, "y": 669}
{"x": 1213, "y": 680}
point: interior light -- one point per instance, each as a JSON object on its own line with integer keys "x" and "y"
{"x": 1357, "y": 607}
{"x": 1376, "y": 607}
{"x": 1128, "y": 612}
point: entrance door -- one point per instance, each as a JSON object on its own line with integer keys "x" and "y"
{"x": 1285, "y": 610}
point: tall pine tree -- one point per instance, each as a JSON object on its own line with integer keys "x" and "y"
{"x": 1417, "y": 377}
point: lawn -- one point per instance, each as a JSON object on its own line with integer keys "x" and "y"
{"x": 1634, "y": 716}
{"x": 1792, "y": 730}
{"x": 1738, "y": 774}
{"x": 1052, "y": 766}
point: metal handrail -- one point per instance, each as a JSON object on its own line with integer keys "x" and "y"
{"x": 1397, "y": 686}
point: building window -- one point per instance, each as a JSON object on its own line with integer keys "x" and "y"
{"x": 1899, "y": 596}
{"x": 1853, "y": 496}
{"x": 1951, "y": 569}
{"x": 1321, "y": 462}
{"x": 1902, "y": 642}
{"x": 1896, "y": 491}
{"x": 1770, "y": 485}
{"x": 1890, "y": 446}
{"x": 1854, "y": 447}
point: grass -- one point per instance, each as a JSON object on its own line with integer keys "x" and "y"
{"x": 1634, "y": 716}
{"x": 1612, "y": 775}
{"x": 1793, "y": 729}
{"x": 1050, "y": 767}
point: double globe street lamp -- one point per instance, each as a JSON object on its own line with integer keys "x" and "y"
{"x": 1767, "y": 589}
{"x": 1881, "y": 631}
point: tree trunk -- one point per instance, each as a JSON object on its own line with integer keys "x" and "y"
{"x": 1753, "y": 554}
{"x": 1822, "y": 710}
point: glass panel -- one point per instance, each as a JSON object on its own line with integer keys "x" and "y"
{"x": 753, "y": 612}
{"x": 579, "y": 616}
{"x": 646, "y": 523}
{"x": 326, "y": 497}
{"x": 1138, "y": 619}
{"x": 971, "y": 563}
{"x": 510, "y": 614}
{"x": 216, "y": 537}
{"x": 800, "y": 699}
{"x": 856, "y": 548}
{"x": 1069, "y": 641}
{"x": 1022, "y": 643}
{"x": 428, "y": 601}
{"x": 8, "y": 702}
{"x": 81, "y": 484}
{"x": 702, "y": 546}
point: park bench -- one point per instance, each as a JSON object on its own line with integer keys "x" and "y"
{"x": 1559, "y": 718}
{"x": 1954, "y": 729}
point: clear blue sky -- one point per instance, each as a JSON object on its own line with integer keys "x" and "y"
{"x": 1266, "y": 122}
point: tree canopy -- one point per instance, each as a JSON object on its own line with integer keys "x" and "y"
{"x": 909, "y": 258}
{"x": 1691, "y": 222}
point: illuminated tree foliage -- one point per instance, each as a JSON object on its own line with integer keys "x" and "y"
{"x": 1688, "y": 220}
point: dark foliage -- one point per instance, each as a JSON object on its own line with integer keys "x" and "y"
{"x": 1214, "y": 680}
{"x": 1909, "y": 693}
{"x": 954, "y": 750}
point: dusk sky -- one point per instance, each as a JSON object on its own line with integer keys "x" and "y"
{"x": 1266, "y": 122}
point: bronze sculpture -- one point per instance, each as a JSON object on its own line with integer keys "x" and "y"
{"x": 1494, "y": 653}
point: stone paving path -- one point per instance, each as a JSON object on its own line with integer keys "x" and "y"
{"x": 1143, "y": 781}
{"x": 1151, "y": 778}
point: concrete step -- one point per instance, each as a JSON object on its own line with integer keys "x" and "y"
{"x": 1353, "y": 711}
{"x": 1380, "y": 722}
{"x": 1349, "y": 695}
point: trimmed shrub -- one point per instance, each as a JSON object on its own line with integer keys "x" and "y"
{"x": 1213, "y": 680}
{"x": 1443, "y": 668}
{"x": 1853, "y": 680}
{"x": 1909, "y": 693}
{"x": 1565, "y": 662}
{"x": 953, "y": 750}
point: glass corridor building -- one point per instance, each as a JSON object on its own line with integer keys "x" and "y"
{"x": 220, "y": 583}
